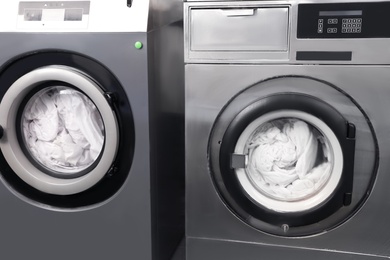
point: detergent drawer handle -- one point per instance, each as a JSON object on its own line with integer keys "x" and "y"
{"x": 238, "y": 12}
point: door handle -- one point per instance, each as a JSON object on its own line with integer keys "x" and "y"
{"x": 238, "y": 12}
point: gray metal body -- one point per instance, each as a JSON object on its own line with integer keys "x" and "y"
{"x": 140, "y": 221}
{"x": 213, "y": 79}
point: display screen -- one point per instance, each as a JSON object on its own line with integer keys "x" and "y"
{"x": 341, "y": 13}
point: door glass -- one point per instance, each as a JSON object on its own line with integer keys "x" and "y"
{"x": 62, "y": 130}
{"x": 288, "y": 159}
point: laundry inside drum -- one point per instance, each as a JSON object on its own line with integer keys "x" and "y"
{"x": 288, "y": 159}
{"x": 62, "y": 130}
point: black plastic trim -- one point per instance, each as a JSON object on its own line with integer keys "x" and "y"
{"x": 365, "y": 20}
{"x": 237, "y": 161}
{"x": 324, "y": 55}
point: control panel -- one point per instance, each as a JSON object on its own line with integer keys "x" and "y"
{"x": 53, "y": 14}
{"x": 344, "y": 20}
{"x": 54, "y": 11}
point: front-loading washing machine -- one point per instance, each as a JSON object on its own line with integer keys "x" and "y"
{"x": 286, "y": 129}
{"x": 91, "y": 135}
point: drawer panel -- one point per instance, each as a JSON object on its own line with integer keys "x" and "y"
{"x": 239, "y": 29}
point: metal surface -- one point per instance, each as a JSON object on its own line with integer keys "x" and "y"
{"x": 212, "y": 29}
{"x": 209, "y": 218}
{"x": 124, "y": 219}
{"x": 134, "y": 222}
{"x": 163, "y": 12}
{"x": 166, "y": 112}
{"x": 228, "y": 81}
{"x": 368, "y": 56}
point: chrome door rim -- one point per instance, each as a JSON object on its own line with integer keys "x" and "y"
{"x": 10, "y": 145}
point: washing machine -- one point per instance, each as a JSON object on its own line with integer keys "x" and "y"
{"x": 286, "y": 129}
{"x": 91, "y": 135}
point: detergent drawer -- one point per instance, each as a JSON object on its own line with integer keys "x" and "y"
{"x": 238, "y": 31}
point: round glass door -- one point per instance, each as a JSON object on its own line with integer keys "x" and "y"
{"x": 57, "y": 123}
{"x": 63, "y": 131}
{"x": 293, "y": 161}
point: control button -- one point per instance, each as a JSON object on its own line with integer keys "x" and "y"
{"x": 330, "y": 21}
{"x": 334, "y": 30}
{"x": 345, "y": 20}
{"x": 320, "y": 25}
{"x": 344, "y": 25}
{"x": 354, "y": 20}
{"x": 344, "y": 30}
{"x": 320, "y": 20}
{"x": 329, "y": 30}
{"x": 335, "y": 21}
{"x": 349, "y": 25}
{"x": 358, "y": 30}
{"x": 350, "y": 20}
{"x": 359, "y": 20}
{"x": 349, "y": 30}
{"x": 354, "y": 30}
{"x": 359, "y": 25}
{"x": 320, "y": 31}
{"x": 353, "y": 25}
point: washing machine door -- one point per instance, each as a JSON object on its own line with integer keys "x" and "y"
{"x": 284, "y": 162}
{"x": 60, "y": 132}
{"x": 67, "y": 130}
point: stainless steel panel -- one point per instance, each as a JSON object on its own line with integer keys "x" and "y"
{"x": 364, "y": 51}
{"x": 238, "y": 29}
{"x": 210, "y": 87}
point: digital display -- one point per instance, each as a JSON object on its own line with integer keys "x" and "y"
{"x": 341, "y": 13}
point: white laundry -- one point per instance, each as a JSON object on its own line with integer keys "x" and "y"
{"x": 282, "y": 155}
{"x": 63, "y": 130}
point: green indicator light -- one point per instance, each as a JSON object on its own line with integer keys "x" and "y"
{"x": 138, "y": 45}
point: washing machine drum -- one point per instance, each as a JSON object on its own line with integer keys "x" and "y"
{"x": 61, "y": 131}
{"x": 284, "y": 160}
